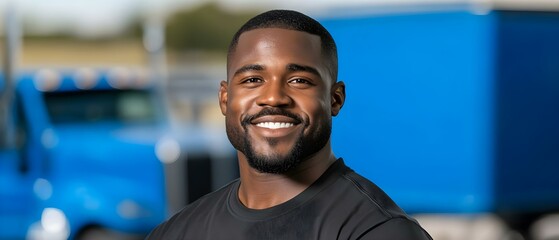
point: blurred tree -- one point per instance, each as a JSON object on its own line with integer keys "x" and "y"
{"x": 207, "y": 27}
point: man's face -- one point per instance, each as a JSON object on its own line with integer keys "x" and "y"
{"x": 277, "y": 101}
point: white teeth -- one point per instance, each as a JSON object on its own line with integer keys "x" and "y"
{"x": 274, "y": 125}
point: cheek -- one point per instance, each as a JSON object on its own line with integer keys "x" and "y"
{"x": 238, "y": 104}
{"x": 316, "y": 108}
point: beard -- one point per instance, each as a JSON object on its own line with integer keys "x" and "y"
{"x": 274, "y": 162}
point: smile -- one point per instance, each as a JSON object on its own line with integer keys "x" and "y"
{"x": 274, "y": 125}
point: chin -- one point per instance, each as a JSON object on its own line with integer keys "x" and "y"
{"x": 274, "y": 163}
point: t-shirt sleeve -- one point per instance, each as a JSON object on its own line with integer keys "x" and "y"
{"x": 165, "y": 230}
{"x": 397, "y": 229}
{"x": 156, "y": 233}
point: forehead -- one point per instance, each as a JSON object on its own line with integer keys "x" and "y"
{"x": 276, "y": 46}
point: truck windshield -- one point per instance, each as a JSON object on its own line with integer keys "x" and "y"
{"x": 124, "y": 106}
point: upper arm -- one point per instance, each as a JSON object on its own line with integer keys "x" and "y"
{"x": 397, "y": 229}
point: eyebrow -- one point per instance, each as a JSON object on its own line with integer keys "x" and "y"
{"x": 292, "y": 67}
{"x": 250, "y": 67}
{"x": 301, "y": 68}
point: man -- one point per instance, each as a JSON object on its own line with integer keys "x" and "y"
{"x": 279, "y": 98}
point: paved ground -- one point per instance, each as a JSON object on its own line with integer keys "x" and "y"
{"x": 485, "y": 227}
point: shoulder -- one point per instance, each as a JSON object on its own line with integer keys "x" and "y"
{"x": 192, "y": 213}
{"x": 373, "y": 194}
{"x": 397, "y": 229}
{"x": 382, "y": 217}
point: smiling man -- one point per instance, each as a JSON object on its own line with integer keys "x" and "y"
{"x": 279, "y": 99}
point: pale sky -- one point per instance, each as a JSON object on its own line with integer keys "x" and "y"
{"x": 105, "y": 17}
{"x": 99, "y": 17}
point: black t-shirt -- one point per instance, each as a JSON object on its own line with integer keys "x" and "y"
{"x": 340, "y": 205}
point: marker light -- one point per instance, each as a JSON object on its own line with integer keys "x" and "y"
{"x": 42, "y": 188}
{"x": 49, "y": 139}
{"x": 130, "y": 209}
{"x": 120, "y": 78}
{"x": 86, "y": 78}
{"x": 167, "y": 150}
{"x": 47, "y": 80}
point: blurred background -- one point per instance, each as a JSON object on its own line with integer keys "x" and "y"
{"x": 110, "y": 122}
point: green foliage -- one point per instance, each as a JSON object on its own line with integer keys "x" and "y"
{"x": 207, "y": 27}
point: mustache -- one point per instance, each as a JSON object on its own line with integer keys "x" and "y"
{"x": 271, "y": 111}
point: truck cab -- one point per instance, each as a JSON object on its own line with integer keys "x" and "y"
{"x": 84, "y": 156}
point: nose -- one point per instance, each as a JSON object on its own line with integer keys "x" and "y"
{"x": 274, "y": 94}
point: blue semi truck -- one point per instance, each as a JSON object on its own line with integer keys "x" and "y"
{"x": 453, "y": 109}
{"x": 82, "y": 156}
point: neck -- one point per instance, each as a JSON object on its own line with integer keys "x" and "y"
{"x": 264, "y": 190}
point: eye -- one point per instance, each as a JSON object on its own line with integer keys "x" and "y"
{"x": 252, "y": 80}
{"x": 300, "y": 81}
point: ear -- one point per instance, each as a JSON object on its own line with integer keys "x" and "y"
{"x": 338, "y": 97}
{"x": 223, "y": 97}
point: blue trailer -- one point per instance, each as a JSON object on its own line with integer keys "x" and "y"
{"x": 452, "y": 109}
{"x": 82, "y": 157}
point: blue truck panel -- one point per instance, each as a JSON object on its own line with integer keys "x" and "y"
{"x": 429, "y": 99}
{"x": 527, "y": 100}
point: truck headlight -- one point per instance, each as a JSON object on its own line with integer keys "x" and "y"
{"x": 53, "y": 225}
{"x": 53, "y": 220}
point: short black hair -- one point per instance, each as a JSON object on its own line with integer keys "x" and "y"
{"x": 292, "y": 20}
